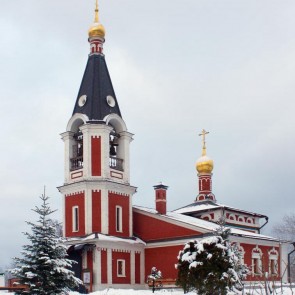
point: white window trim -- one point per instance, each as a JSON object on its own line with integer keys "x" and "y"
{"x": 275, "y": 261}
{"x": 242, "y": 254}
{"x": 123, "y": 274}
{"x": 257, "y": 255}
{"x": 273, "y": 256}
{"x": 75, "y": 218}
{"x": 119, "y": 219}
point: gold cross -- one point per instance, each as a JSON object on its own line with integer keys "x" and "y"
{"x": 203, "y": 134}
{"x": 96, "y": 19}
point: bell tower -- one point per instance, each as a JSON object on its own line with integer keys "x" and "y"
{"x": 97, "y": 192}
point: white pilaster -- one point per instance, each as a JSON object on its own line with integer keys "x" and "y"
{"x": 67, "y": 138}
{"x": 130, "y": 217}
{"x": 97, "y": 268}
{"x": 105, "y": 211}
{"x": 88, "y": 211}
{"x": 132, "y": 267}
{"x": 284, "y": 262}
{"x": 123, "y": 153}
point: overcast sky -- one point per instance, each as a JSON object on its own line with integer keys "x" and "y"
{"x": 177, "y": 67}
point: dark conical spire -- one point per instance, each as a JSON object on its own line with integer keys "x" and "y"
{"x": 96, "y": 97}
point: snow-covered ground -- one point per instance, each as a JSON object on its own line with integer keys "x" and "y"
{"x": 284, "y": 291}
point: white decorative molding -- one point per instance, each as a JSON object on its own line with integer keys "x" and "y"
{"x": 76, "y": 121}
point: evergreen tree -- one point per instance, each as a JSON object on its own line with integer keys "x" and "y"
{"x": 44, "y": 267}
{"x": 211, "y": 266}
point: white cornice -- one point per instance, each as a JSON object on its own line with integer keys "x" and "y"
{"x": 95, "y": 184}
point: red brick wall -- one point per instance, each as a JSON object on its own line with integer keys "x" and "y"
{"x": 137, "y": 268}
{"x": 96, "y": 155}
{"x": 96, "y": 211}
{"x": 71, "y": 201}
{"x": 149, "y": 228}
{"x": 164, "y": 259}
{"x": 205, "y": 184}
{"x": 104, "y": 267}
{"x": 265, "y": 260}
{"x": 90, "y": 267}
{"x": 161, "y": 201}
{"x": 123, "y": 201}
{"x": 125, "y": 256}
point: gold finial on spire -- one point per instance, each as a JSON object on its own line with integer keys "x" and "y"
{"x": 97, "y": 29}
{"x": 203, "y": 134}
{"x": 204, "y": 164}
{"x": 96, "y": 18}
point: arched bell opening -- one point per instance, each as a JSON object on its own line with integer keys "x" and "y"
{"x": 116, "y": 152}
{"x": 76, "y": 143}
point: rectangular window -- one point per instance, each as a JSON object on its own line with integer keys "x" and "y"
{"x": 119, "y": 227}
{"x": 75, "y": 218}
{"x": 256, "y": 266}
{"x": 273, "y": 267}
{"x": 121, "y": 268}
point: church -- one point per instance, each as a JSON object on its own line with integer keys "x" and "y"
{"x": 116, "y": 243}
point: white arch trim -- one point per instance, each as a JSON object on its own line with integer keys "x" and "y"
{"x": 256, "y": 252}
{"x": 233, "y": 217}
{"x": 273, "y": 252}
{"x": 206, "y": 215}
{"x": 241, "y": 218}
{"x": 75, "y": 120}
{"x": 250, "y": 220}
{"x": 116, "y": 121}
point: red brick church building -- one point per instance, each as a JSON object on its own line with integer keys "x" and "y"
{"x": 115, "y": 243}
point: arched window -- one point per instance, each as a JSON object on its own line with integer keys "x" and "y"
{"x": 76, "y": 143}
{"x": 206, "y": 217}
{"x": 256, "y": 261}
{"x": 249, "y": 220}
{"x": 232, "y": 217}
{"x": 241, "y": 219}
{"x": 201, "y": 198}
{"x": 116, "y": 142}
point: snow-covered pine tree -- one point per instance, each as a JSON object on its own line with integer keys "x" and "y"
{"x": 44, "y": 267}
{"x": 211, "y": 266}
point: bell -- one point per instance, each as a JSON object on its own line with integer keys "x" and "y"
{"x": 115, "y": 141}
{"x": 113, "y": 150}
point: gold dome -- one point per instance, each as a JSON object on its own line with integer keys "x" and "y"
{"x": 96, "y": 30}
{"x": 204, "y": 163}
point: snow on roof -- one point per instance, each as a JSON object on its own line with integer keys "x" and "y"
{"x": 196, "y": 207}
{"x": 200, "y": 223}
{"x": 240, "y": 232}
{"x": 146, "y": 209}
{"x": 192, "y": 221}
{"x": 101, "y": 237}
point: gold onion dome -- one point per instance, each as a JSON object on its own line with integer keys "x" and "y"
{"x": 97, "y": 29}
{"x": 204, "y": 163}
